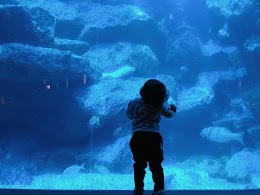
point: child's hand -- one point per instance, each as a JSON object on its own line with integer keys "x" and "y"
{"x": 173, "y": 108}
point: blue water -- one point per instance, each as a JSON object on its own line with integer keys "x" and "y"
{"x": 64, "y": 61}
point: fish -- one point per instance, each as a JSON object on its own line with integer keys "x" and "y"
{"x": 74, "y": 169}
{"x": 223, "y": 33}
{"x": 171, "y": 16}
{"x": 94, "y": 121}
{"x": 221, "y": 135}
{"x": 184, "y": 69}
{"x": 121, "y": 72}
{"x": 48, "y": 87}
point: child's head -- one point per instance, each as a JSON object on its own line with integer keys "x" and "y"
{"x": 154, "y": 92}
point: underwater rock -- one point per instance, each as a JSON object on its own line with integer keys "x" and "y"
{"x": 211, "y": 48}
{"x": 235, "y": 59}
{"x": 214, "y": 167}
{"x": 183, "y": 48}
{"x": 251, "y": 97}
{"x": 18, "y": 60}
{"x": 9, "y": 2}
{"x": 194, "y": 97}
{"x": 238, "y": 116}
{"x": 237, "y": 16}
{"x": 252, "y": 45}
{"x": 68, "y": 22}
{"x": 209, "y": 79}
{"x": 243, "y": 165}
{"x": 227, "y": 8}
{"x": 110, "y": 57}
{"x": 74, "y": 46}
{"x": 219, "y": 57}
{"x": 252, "y": 53}
{"x": 110, "y": 96}
{"x": 202, "y": 93}
{"x": 115, "y": 156}
{"x": 26, "y": 25}
{"x": 122, "y": 23}
{"x": 254, "y": 134}
{"x": 199, "y": 99}
{"x": 19, "y": 173}
{"x": 111, "y": 2}
{"x": 111, "y": 153}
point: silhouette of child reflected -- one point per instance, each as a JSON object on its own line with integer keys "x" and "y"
{"x": 146, "y": 143}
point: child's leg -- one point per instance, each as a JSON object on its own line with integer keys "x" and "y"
{"x": 139, "y": 173}
{"x": 139, "y": 154}
{"x": 158, "y": 176}
{"x": 155, "y": 161}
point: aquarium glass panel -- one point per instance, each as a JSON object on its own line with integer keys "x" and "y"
{"x": 76, "y": 114}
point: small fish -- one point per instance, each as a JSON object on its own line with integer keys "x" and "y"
{"x": 94, "y": 120}
{"x": 74, "y": 169}
{"x": 48, "y": 87}
{"x": 170, "y": 16}
{"x": 223, "y": 33}
{"x": 184, "y": 69}
{"x": 221, "y": 135}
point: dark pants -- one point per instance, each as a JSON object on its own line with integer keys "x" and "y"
{"x": 147, "y": 147}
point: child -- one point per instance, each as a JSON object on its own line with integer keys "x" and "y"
{"x": 146, "y": 143}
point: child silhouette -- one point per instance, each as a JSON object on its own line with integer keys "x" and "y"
{"x": 146, "y": 143}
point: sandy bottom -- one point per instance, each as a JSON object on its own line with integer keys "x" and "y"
{"x": 175, "y": 179}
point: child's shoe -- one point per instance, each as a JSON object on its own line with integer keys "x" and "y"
{"x": 138, "y": 192}
{"x": 159, "y": 192}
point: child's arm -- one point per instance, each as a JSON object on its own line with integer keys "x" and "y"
{"x": 168, "y": 112}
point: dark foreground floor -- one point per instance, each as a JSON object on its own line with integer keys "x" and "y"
{"x": 126, "y": 192}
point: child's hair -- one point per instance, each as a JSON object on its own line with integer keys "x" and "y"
{"x": 154, "y": 92}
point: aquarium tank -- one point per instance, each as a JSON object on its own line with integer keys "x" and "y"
{"x": 68, "y": 69}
